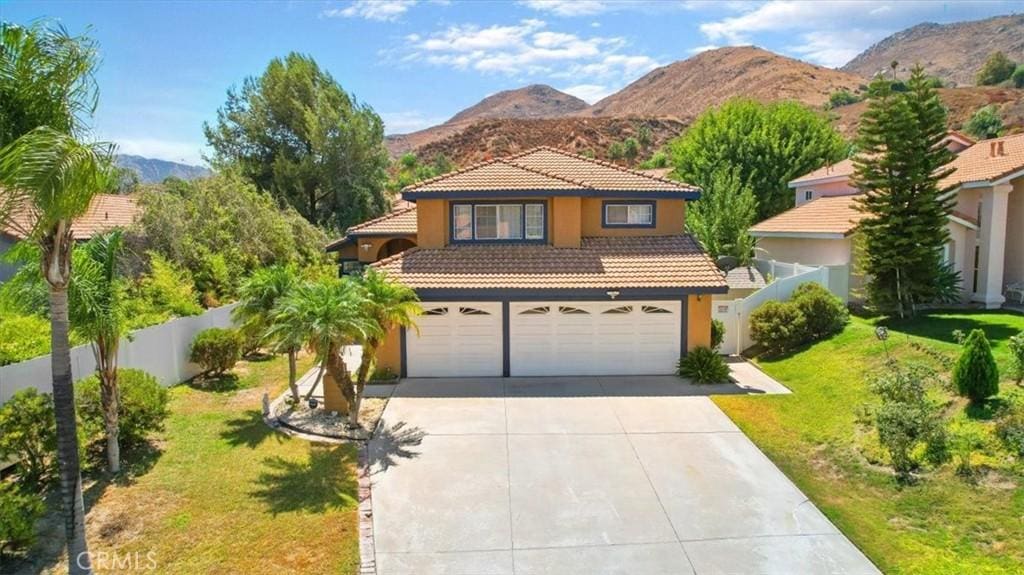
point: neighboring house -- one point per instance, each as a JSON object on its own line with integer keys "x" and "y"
{"x": 544, "y": 263}
{"x": 986, "y": 226}
{"x": 106, "y": 212}
{"x": 742, "y": 281}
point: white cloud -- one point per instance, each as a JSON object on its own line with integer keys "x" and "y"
{"x": 381, "y": 10}
{"x": 828, "y": 49}
{"x": 589, "y": 93}
{"x": 172, "y": 151}
{"x": 408, "y": 121}
{"x": 568, "y": 7}
{"x": 703, "y": 48}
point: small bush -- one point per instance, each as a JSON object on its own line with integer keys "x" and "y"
{"x": 997, "y": 69}
{"x": 1017, "y": 78}
{"x": 717, "y": 334}
{"x": 778, "y": 326}
{"x": 19, "y": 512}
{"x": 823, "y": 311}
{"x": 1016, "y": 345}
{"x": 842, "y": 98}
{"x": 966, "y": 439}
{"x": 216, "y": 350}
{"x": 1010, "y": 428}
{"x": 909, "y": 425}
{"x": 976, "y": 375}
{"x": 28, "y": 433}
{"x": 23, "y": 337}
{"x": 142, "y": 408}
{"x": 985, "y": 123}
{"x": 703, "y": 365}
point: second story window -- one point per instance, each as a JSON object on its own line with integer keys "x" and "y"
{"x": 808, "y": 195}
{"x": 498, "y": 222}
{"x": 629, "y": 215}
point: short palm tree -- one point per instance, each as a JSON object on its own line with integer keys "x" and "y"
{"x": 390, "y": 305}
{"x": 48, "y": 179}
{"x": 97, "y": 313}
{"x": 326, "y": 315}
{"x": 257, "y": 298}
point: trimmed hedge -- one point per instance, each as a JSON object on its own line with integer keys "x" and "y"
{"x": 216, "y": 350}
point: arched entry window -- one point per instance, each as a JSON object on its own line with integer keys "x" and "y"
{"x": 394, "y": 246}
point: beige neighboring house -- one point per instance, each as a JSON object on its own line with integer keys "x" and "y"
{"x": 986, "y": 226}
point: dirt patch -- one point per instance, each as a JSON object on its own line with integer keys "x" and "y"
{"x": 335, "y": 426}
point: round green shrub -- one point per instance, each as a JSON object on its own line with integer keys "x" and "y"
{"x": 142, "y": 406}
{"x": 717, "y": 333}
{"x": 703, "y": 365}
{"x": 824, "y": 312}
{"x": 975, "y": 374}
{"x": 28, "y": 434}
{"x": 216, "y": 350}
{"x": 778, "y": 326}
{"x": 19, "y": 511}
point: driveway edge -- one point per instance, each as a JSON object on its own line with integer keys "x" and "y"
{"x": 367, "y": 550}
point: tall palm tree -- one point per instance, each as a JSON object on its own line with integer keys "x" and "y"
{"x": 48, "y": 179}
{"x": 96, "y": 311}
{"x": 390, "y": 305}
{"x": 327, "y": 315}
{"x": 257, "y": 298}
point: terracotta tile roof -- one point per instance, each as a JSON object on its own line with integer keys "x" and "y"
{"x": 657, "y": 172}
{"x": 601, "y": 263}
{"x": 979, "y": 164}
{"x": 825, "y": 215}
{"x": 547, "y": 169}
{"x": 841, "y": 168}
{"x": 401, "y": 221}
{"x": 745, "y": 277}
{"x": 106, "y": 212}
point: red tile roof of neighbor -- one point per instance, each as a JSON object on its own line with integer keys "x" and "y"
{"x": 838, "y": 169}
{"x": 987, "y": 161}
{"x": 105, "y": 212}
{"x": 546, "y": 168}
{"x": 601, "y": 263}
{"x": 825, "y": 215}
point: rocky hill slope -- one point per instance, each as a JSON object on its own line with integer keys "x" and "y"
{"x": 953, "y": 52}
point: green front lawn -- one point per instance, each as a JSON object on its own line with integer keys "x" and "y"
{"x": 226, "y": 494}
{"x": 943, "y": 524}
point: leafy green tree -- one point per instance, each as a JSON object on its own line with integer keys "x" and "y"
{"x": 658, "y": 159}
{"x": 408, "y": 170}
{"x": 616, "y": 151}
{"x": 985, "y": 123}
{"x": 326, "y": 315}
{"x": 997, "y": 69}
{"x": 298, "y": 135}
{"x": 900, "y": 163}
{"x": 767, "y": 144}
{"x": 644, "y": 136}
{"x": 1017, "y": 78}
{"x": 723, "y": 215}
{"x": 630, "y": 150}
{"x": 29, "y": 435}
{"x": 389, "y": 305}
{"x": 975, "y": 374}
{"x": 254, "y": 314}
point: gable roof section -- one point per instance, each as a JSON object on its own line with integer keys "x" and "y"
{"x": 644, "y": 262}
{"x": 105, "y": 212}
{"x": 839, "y": 170}
{"x": 826, "y": 217}
{"x": 400, "y": 222}
{"x": 549, "y": 172}
{"x": 978, "y": 164}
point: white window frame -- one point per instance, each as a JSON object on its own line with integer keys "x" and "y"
{"x": 633, "y": 213}
{"x": 532, "y": 231}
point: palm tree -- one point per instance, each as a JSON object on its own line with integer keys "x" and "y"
{"x": 326, "y": 315}
{"x": 257, "y": 298}
{"x": 390, "y": 305}
{"x": 48, "y": 179}
{"x": 96, "y": 297}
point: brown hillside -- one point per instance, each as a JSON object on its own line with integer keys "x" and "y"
{"x": 500, "y": 137}
{"x": 953, "y": 52}
{"x": 961, "y": 104}
{"x": 686, "y": 88}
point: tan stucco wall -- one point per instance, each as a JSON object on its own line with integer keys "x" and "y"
{"x": 808, "y": 251}
{"x": 670, "y": 219}
{"x": 822, "y": 190}
{"x": 1013, "y": 270}
{"x": 565, "y": 222}
{"x": 698, "y": 322}
{"x": 432, "y": 223}
{"x": 389, "y": 355}
{"x": 348, "y": 251}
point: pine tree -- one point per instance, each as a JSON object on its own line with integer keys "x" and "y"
{"x": 900, "y": 162}
{"x": 975, "y": 374}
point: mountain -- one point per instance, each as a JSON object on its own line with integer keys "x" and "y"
{"x": 686, "y": 88}
{"x": 151, "y": 170}
{"x": 534, "y": 101}
{"x": 953, "y": 52}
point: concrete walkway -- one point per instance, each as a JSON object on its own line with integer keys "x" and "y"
{"x": 587, "y": 475}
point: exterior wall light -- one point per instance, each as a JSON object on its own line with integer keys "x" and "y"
{"x": 612, "y": 294}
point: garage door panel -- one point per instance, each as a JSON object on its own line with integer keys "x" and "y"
{"x": 464, "y": 341}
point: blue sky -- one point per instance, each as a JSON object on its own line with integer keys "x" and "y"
{"x": 166, "y": 65}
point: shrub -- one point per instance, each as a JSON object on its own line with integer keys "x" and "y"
{"x": 23, "y": 337}
{"x": 19, "y": 512}
{"x": 976, "y": 375}
{"x": 703, "y": 365}
{"x": 824, "y": 312}
{"x": 909, "y": 425}
{"x": 216, "y": 350}
{"x": 28, "y": 433}
{"x": 778, "y": 326}
{"x": 985, "y": 123}
{"x": 1017, "y": 78}
{"x": 996, "y": 69}
{"x": 1016, "y": 345}
{"x": 1010, "y": 427}
{"x": 717, "y": 334}
{"x": 142, "y": 406}
{"x": 842, "y": 98}
{"x": 169, "y": 288}
{"x": 966, "y": 439}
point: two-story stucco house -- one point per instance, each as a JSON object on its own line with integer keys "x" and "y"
{"x": 543, "y": 263}
{"x": 986, "y": 226}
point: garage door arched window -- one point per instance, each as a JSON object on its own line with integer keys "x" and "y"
{"x": 620, "y": 309}
{"x": 654, "y": 309}
{"x": 536, "y": 310}
{"x": 472, "y": 311}
{"x": 436, "y": 311}
{"x": 569, "y": 310}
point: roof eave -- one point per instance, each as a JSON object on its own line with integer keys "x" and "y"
{"x": 825, "y": 180}
{"x": 802, "y": 235}
{"x": 413, "y": 195}
{"x": 578, "y": 294}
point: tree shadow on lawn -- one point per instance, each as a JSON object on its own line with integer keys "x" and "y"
{"x": 986, "y": 410}
{"x": 325, "y": 482}
{"x": 930, "y": 326}
{"x": 216, "y": 383}
{"x": 248, "y": 429}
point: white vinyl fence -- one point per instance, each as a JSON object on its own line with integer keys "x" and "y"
{"x": 735, "y": 314}
{"x": 161, "y": 350}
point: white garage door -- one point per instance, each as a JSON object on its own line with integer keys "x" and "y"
{"x": 456, "y": 340}
{"x": 583, "y": 338}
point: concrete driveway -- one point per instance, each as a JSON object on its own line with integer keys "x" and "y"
{"x": 562, "y": 476}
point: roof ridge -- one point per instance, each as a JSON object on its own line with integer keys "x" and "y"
{"x": 445, "y": 175}
{"x": 389, "y": 215}
{"x": 603, "y": 163}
